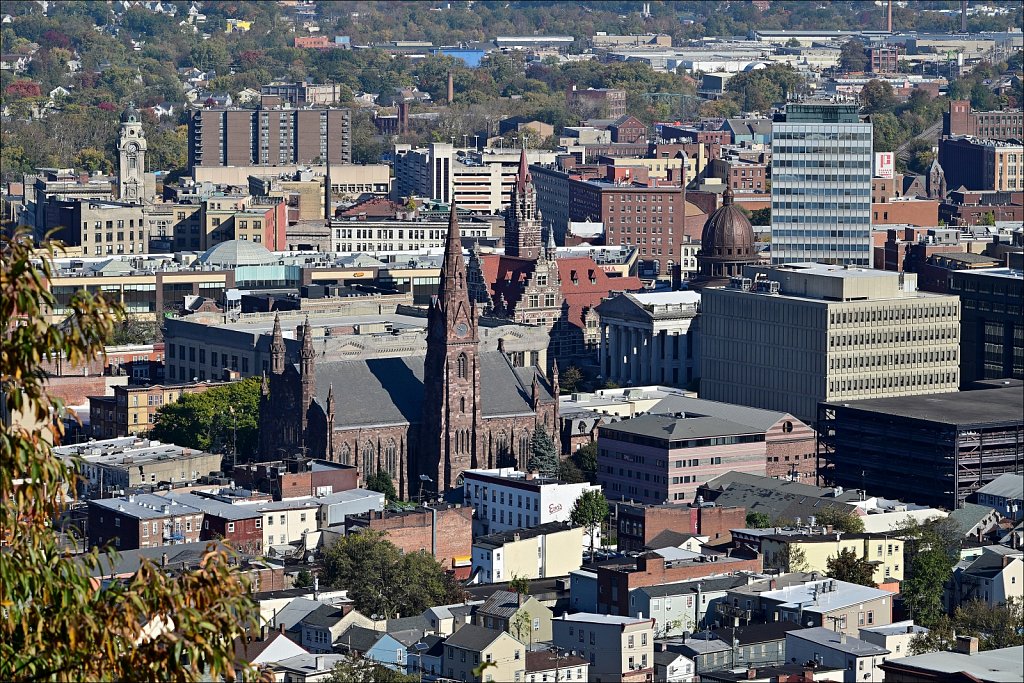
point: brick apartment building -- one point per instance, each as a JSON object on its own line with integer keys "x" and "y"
{"x": 269, "y": 137}
{"x": 906, "y": 211}
{"x": 614, "y": 582}
{"x": 132, "y": 409}
{"x": 628, "y": 129}
{"x": 648, "y": 216}
{"x": 982, "y": 164}
{"x": 997, "y": 125}
{"x": 884, "y": 59}
{"x": 739, "y": 174}
{"x": 142, "y": 521}
{"x": 446, "y": 532}
{"x": 639, "y": 525}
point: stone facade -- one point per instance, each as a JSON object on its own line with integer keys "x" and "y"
{"x": 422, "y": 419}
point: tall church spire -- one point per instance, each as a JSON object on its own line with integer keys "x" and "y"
{"x": 451, "y": 375}
{"x": 277, "y": 349}
{"x": 522, "y": 219}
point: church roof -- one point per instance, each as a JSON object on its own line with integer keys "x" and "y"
{"x": 389, "y": 391}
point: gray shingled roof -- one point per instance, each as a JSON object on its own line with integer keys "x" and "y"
{"x": 676, "y": 429}
{"x": 778, "y": 498}
{"x": 473, "y": 637}
{"x": 1007, "y": 485}
{"x": 501, "y": 604}
{"x": 687, "y": 587}
{"x": 324, "y": 616}
{"x": 753, "y": 417}
{"x": 359, "y": 638}
{"x": 969, "y": 516}
{"x": 389, "y": 391}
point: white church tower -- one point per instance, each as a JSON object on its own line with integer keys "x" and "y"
{"x": 131, "y": 147}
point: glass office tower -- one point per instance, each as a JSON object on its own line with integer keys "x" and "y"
{"x": 821, "y": 185}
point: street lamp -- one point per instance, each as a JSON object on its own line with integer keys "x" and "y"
{"x": 423, "y": 479}
{"x": 420, "y": 648}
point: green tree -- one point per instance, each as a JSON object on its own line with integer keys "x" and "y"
{"x": 381, "y": 483}
{"x": 840, "y": 520}
{"x": 758, "y": 520}
{"x": 852, "y": 57}
{"x": 570, "y": 473}
{"x": 135, "y": 331}
{"x": 90, "y": 160}
{"x": 791, "y": 558}
{"x": 923, "y": 587}
{"x": 570, "y": 379}
{"x": 304, "y": 579}
{"x": 519, "y": 584}
{"x": 60, "y": 624}
{"x": 888, "y": 132}
{"x": 761, "y": 216}
{"x": 358, "y": 670}
{"x": 589, "y": 511}
{"x": 989, "y": 218}
{"x": 544, "y": 455}
{"x": 585, "y": 458}
{"x": 214, "y": 420}
{"x": 847, "y": 566}
{"x": 877, "y": 97}
{"x": 383, "y": 581}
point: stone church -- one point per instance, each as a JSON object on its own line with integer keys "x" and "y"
{"x": 422, "y": 419}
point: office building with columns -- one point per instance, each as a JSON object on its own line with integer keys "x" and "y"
{"x": 650, "y": 338}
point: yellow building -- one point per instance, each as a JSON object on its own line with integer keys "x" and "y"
{"x": 471, "y": 646}
{"x": 525, "y": 618}
{"x": 814, "y": 551}
{"x": 237, "y": 26}
{"x": 551, "y": 549}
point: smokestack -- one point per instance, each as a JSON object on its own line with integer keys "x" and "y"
{"x": 890, "y": 17}
{"x": 963, "y": 16}
{"x": 451, "y": 88}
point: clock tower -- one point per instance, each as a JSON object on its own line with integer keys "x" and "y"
{"x": 451, "y": 376}
{"x": 131, "y": 147}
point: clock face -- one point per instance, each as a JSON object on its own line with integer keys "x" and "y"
{"x": 461, "y": 330}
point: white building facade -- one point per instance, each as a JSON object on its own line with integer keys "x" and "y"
{"x": 506, "y": 499}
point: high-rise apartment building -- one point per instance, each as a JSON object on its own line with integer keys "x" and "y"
{"x": 788, "y": 337}
{"x": 821, "y": 185}
{"x": 269, "y": 137}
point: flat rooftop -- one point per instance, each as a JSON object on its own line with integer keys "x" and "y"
{"x": 677, "y": 429}
{"x": 1003, "y": 665}
{"x": 961, "y": 408}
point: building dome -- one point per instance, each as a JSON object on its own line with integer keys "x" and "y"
{"x": 130, "y": 115}
{"x": 726, "y": 244}
{"x": 727, "y": 233}
{"x": 234, "y": 253}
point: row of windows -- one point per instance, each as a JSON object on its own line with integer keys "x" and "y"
{"x": 900, "y": 337}
{"x": 889, "y": 382}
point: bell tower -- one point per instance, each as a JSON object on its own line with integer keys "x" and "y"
{"x": 131, "y": 148}
{"x": 451, "y": 375}
{"x": 523, "y": 218}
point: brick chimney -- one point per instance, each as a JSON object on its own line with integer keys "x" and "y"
{"x": 967, "y": 645}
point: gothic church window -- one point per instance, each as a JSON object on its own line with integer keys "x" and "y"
{"x": 462, "y": 365}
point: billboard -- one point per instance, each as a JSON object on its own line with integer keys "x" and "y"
{"x": 884, "y": 164}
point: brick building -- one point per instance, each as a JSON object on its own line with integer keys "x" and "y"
{"x": 609, "y": 102}
{"x": 530, "y": 285}
{"x": 297, "y": 477}
{"x": 906, "y": 211}
{"x": 638, "y": 525}
{"x": 303, "y": 94}
{"x": 269, "y": 137}
{"x": 969, "y": 207}
{"x": 628, "y": 129}
{"x": 615, "y": 581}
{"x": 132, "y": 409}
{"x": 997, "y": 125}
{"x": 419, "y": 418}
{"x": 648, "y": 216}
{"x": 884, "y": 59}
{"x": 444, "y": 531}
{"x": 739, "y": 174}
{"x": 982, "y": 164}
{"x": 142, "y": 521}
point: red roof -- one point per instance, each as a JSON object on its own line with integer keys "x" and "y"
{"x": 506, "y": 275}
{"x": 378, "y": 207}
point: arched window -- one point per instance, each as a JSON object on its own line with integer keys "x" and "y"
{"x": 462, "y": 404}
{"x": 345, "y": 454}
{"x": 462, "y": 366}
{"x": 524, "y": 446}
{"x": 501, "y": 450}
{"x": 391, "y": 458}
{"x": 369, "y": 460}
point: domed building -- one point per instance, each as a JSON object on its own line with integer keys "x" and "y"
{"x": 235, "y": 253}
{"x": 726, "y": 245}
